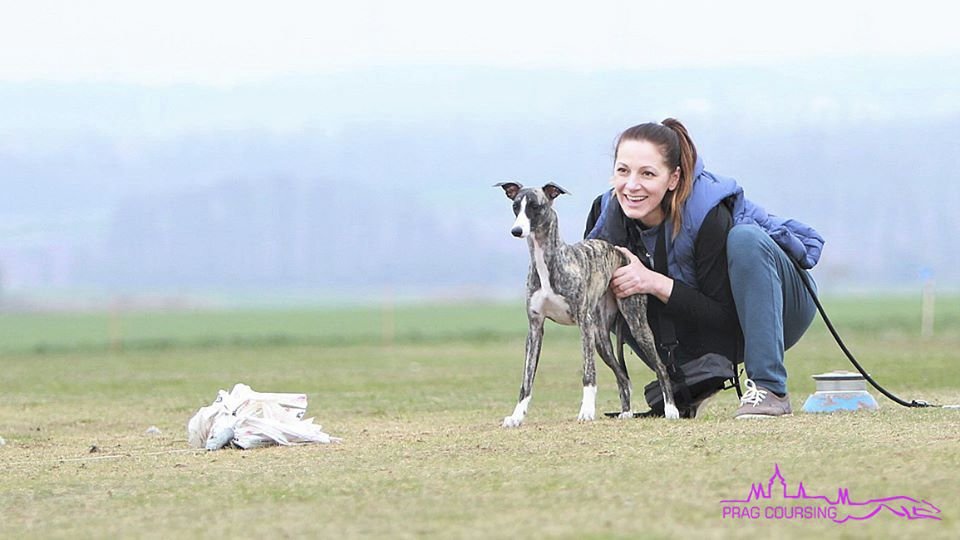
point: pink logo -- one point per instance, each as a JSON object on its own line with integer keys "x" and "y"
{"x": 771, "y": 503}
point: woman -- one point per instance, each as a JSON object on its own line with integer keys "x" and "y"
{"x": 719, "y": 263}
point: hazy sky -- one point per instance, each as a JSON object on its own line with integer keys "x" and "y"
{"x": 230, "y": 42}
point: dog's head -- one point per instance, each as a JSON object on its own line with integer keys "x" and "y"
{"x": 532, "y": 206}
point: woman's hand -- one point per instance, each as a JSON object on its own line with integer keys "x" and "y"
{"x": 635, "y": 278}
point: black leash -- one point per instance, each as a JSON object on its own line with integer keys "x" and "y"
{"x": 806, "y": 281}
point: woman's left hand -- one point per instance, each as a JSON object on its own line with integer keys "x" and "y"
{"x": 636, "y": 278}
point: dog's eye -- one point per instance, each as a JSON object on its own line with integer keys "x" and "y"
{"x": 516, "y": 208}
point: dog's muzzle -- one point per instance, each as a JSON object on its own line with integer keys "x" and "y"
{"x": 517, "y": 231}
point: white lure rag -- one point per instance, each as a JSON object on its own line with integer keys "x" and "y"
{"x": 248, "y": 419}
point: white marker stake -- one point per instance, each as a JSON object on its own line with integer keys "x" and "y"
{"x": 927, "y": 311}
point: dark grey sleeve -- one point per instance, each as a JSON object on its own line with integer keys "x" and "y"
{"x": 712, "y": 304}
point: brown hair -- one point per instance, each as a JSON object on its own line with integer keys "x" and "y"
{"x": 671, "y": 137}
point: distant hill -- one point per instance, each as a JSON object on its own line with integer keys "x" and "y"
{"x": 381, "y": 180}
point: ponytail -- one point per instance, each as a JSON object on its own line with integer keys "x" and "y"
{"x": 687, "y": 162}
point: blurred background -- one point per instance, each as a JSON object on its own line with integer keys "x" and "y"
{"x": 222, "y": 154}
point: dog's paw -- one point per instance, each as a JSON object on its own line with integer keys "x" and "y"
{"x": 512, "y": 421}
{"x": 626, "y": 414}
{"x": 670, "y": 411}
{"x": 588, "y": 406}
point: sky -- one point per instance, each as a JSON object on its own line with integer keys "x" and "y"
{"x": 226, "y": 43}
{"x": 104, "y": 102}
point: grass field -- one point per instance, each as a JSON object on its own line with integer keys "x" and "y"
{"x": 418, "y": 393}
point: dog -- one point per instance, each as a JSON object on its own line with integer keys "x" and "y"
{"x": 569, "y": 284}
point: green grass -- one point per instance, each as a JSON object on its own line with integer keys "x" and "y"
{"x": 137, "y": 330}
{"x": 418, "y": 402}
{"x": 73, "y": 332}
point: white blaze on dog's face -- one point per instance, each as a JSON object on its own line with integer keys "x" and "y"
{"x": 521, "y": 227}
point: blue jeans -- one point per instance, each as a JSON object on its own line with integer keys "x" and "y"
{"x": 773, "y": 305}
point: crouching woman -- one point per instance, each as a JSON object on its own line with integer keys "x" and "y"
{"x": 719, "y": 270}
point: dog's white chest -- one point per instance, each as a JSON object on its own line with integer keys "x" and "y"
{"x": 545, "y": 301}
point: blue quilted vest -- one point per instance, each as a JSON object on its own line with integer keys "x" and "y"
{"x": 801, "y": 242}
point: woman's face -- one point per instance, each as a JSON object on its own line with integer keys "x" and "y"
{"x": 641, "y": 179}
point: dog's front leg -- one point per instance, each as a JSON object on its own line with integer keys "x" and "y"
{"x": 588, "y": 407}
{"x": 532, "y": 357}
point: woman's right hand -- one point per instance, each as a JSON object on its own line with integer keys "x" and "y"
{"x": 636, "y": 278}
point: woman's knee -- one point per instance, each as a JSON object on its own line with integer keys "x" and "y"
{"x": 744, "y": 237}
{"x": 745, "y": 243}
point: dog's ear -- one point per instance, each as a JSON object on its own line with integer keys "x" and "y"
{"x": 553, "y": 191}
{"x": 510, "y": 188}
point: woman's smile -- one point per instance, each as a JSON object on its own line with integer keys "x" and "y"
{"x": 641, "y": 179}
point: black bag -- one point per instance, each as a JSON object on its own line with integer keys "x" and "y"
{"x": 693, "y": 382}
